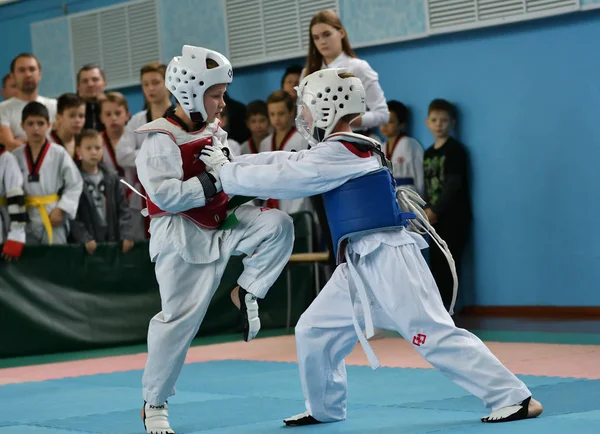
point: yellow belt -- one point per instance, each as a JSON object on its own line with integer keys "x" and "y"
{"x": 39, "y": 202}
{"x": 3, "y": 201}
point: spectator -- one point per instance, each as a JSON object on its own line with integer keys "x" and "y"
{"x": 103, "y": 214}
{"x": 257, "y": 121}
{"x": 9, "y": 87}
{"x": 70, "y": 117}
{"x": 291, "y": 79}
{"x": 329, "y": 47}
{"x": 52, "y": 183}
{"x": 405, "y": 153}
{"x": 446, "y": 168}
{"x": 91, "y": 84}
{"x": 27, "y": 72}
{"x": 114, "y": 114}
{"x": 157, "y": 101}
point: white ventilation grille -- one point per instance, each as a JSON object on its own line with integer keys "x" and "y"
{"x": 494, "y": 9}
{"x": 454, "y": 15}
{"x": 450, "y": 13}
{"x": 262, "y": 31}
{"x": 121, "y": 39}
{"x": 244, "y": 30}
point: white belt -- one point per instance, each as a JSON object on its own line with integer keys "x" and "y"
{"x": 355, "y": 282}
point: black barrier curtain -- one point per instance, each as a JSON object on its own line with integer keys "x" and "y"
{"x": 58, "y": 299}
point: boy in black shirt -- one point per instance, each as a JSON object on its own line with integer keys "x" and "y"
{"x": 446, "y": 168}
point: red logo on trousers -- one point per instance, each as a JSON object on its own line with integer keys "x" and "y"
{"x": 419, "y": 339}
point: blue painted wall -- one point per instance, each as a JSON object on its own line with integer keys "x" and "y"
{"x": 528, "y": 96}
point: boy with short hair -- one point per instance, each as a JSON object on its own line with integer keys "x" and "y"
{"x": 291, "y": 79}
{"x": 446, "y": 169}
{"x": 70, "y": 118}
{"x": 405, "y": 152}
{"x": 52, "y": 183}
{"x": 103, "y": 214}
{"x": 194, "y": 227}
{"x": 281, "y": 109}
{"x": 257, "y": 121}
{"x": 114, "y": 114}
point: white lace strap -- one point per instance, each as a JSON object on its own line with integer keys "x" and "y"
{"x": 132, "y": 188}
{"x": 410, "y": 201}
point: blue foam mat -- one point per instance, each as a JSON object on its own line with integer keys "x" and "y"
{"x": 253, "y": 397}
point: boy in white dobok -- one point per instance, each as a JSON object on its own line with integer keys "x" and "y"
{"x": 194, "y": 226}
{"x": 382, "y": 279}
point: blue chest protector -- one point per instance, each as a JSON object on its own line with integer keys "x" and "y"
{"x": 363, "y": 205}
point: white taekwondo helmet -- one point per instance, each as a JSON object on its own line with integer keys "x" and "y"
{"x": 328, "y": 98}
{"x": 187, "y": 78}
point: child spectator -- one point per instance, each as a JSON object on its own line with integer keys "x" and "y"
{"x": 157, "y": 102}
{"x": 9, "y": 87}
{"x": 257, "y": 121}
{"x": 291, "y": 79}
{"x": 114, "y": 114}
{"x": 446, "y": 168}
{"x": 282, "y": 111}
{"x": 70, "y": 118}
{"x": 103, "y": 214}
{"x": 52, "y": 183}
{"x": 405, "y": 153}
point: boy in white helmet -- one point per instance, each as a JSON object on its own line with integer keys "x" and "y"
{"x": 195, "y": 227}
{"x": 382, "y": 279}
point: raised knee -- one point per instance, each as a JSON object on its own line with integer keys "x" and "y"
{"x": 279, "y": 222}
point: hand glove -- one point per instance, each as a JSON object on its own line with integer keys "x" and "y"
{"x": 13, "y": 246}
{"x": 213, "y": 158}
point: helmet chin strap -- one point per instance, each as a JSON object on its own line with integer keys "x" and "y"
{"x": 197, "y": 117}
{"x": 319, "y": 134}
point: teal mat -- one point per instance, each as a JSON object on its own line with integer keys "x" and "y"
{"x": 253, "y": 397}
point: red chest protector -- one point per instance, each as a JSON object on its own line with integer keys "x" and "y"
{"x": 211, "y": 215}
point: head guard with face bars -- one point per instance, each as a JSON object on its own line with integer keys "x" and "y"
{"x": 323, "y": 99}
{"x": 187, "y": 78}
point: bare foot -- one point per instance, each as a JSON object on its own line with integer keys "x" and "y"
{"x": 535, "y": 408}
{"x": 235, "y": 296}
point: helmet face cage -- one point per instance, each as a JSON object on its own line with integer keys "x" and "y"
{"x": 323, "y": 99}
{"x": 187, "y": 78}
{"x": 305, "y": 116}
